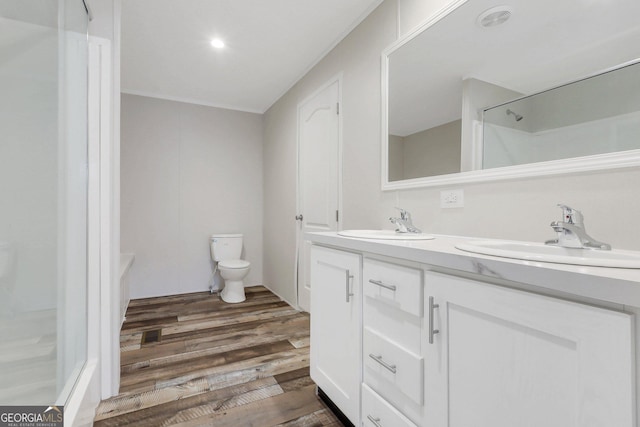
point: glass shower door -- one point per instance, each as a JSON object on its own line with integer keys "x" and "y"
{"x": 43, "y": 199}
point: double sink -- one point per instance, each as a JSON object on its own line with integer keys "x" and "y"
{"x": 526, "y": 251}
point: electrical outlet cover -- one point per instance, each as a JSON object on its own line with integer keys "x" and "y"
{"x": 452, "y": 199}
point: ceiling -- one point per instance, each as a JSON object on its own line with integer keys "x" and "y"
{"x": 270, "y": 45}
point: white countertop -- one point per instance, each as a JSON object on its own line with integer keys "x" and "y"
{"x": 616, "y": 285}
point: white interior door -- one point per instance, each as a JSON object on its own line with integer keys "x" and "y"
{"x": 318, "y": 175}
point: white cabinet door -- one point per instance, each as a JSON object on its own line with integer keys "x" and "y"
{"x": 335, "y": 327}
{"x": 505, "y": 358}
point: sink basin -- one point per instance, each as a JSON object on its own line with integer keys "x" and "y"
{"x": 384, "y": 235}
{"x": 555, "y": 254}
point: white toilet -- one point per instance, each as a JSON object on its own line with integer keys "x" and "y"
{"x": 225, "y": 251}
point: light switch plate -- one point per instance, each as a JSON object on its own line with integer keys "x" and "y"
{"x": 452, "y": 199}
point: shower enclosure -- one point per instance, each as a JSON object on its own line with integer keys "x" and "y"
{"x": 43, "y": 199}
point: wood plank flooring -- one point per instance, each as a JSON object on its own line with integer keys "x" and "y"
{"x": 215, "y": 364}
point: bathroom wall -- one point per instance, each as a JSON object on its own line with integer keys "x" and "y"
{"x": 513, "y": 209}
{"x": 187, "y": 171}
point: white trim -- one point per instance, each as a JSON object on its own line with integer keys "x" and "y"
{"x": 190, "y": 101}
{"x": 609, "y": 161}
{"x": 85, "y": 397}
{"x": 620, "y": 160}
{"x": 113, "y": 210}
{"x": 298, "y": 224}
{"x": 105, "y": 240}
{"x": 338, "y": 78}
{"x": 109, "y": 279}
{"x": 420, "y": 28}
{"x": 295, "y": 306}
{"x": 385, "y": 184}
{"x": 398, "y": 19}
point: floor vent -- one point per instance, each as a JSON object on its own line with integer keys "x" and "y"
{"x": 151, "y": 336}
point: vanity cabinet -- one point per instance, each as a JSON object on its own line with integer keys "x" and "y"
{"x": 503, "y": 357}
{"x": 392, "y": 359}
{"x": 336, "y": 297}
{"x": 416, "y": 344}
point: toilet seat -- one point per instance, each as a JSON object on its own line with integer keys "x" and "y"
{"x": 234, "y": 264}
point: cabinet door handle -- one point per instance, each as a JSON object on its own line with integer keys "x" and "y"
{"x": 432, "y": 331}
{"x": 375, "y": 421}
{"x": 383, "y": 285}
{"x": 378, "y": 359}
{"x": 348, "y": 278}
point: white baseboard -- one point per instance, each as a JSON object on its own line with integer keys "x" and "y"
{"x": 283, "y": 299}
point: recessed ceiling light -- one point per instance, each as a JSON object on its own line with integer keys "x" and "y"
{"x": 494, "y": 16}
{"x": 217, "y": 43}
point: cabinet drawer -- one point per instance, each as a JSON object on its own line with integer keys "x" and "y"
{"x": 396, "y": 285}
{"x": 376, "y": 412}
{"x": 396, "y": 325}
{"x": 391, "y": 369}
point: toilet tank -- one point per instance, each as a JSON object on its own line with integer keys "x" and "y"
{"x": 226, "y": 246}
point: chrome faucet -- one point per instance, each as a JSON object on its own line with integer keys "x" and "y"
{"x": 571, "y": 231}
{"x": 404, "y": 223}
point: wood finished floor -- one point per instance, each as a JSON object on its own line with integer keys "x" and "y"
{"x": 216, "y": 364}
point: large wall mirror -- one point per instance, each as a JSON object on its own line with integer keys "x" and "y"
{"x": 494, "y": 89}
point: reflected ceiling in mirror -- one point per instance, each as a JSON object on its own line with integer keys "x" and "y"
{"x": 441, "y": 77}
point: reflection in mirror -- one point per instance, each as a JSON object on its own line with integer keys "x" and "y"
{"x": 441, "y": 78}
{"x": 434, "y": 151}
{"x": 593, "y": 116}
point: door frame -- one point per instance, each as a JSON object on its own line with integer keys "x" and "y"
{"x": 97, "y": 379}
{"x": 336, "y": 78}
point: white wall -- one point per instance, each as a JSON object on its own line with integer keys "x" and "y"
{"x": 515, "y": 209}
{"x": 187, "y": 171}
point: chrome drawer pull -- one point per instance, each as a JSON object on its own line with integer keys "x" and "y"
{"x": 348, "y": 279}
{"x": 375, "y": 421}
{"x": 432, "y": 331}
{"x": 383, "y": 285}
{"x": 378, "y": 359}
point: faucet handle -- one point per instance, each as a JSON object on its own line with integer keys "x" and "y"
{"x": 570, "y": 215}
{"x": 404, "y": 214}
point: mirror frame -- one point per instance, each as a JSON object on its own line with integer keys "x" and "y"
{"x": 608, "y": 161}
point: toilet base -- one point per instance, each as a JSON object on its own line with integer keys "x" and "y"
{"x": 233, "y": 291}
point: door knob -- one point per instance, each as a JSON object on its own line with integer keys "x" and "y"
{"x": 299, "y": 217}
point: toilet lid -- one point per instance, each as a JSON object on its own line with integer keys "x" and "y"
{"x": 234, "y": 263}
